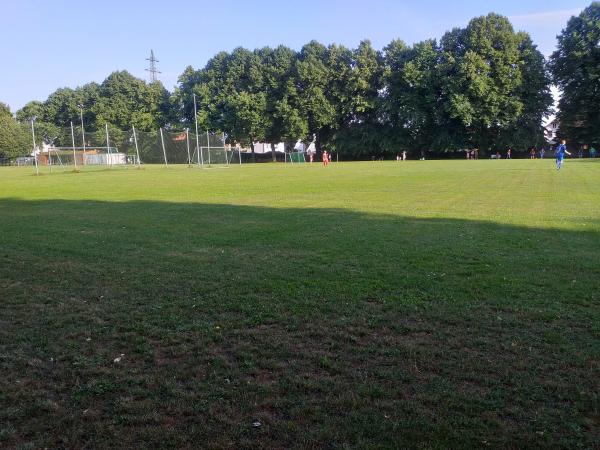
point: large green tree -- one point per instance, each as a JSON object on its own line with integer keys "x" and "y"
{"x": 231, "y": 96}
{"x": 284, "y": 122}
{"x": 534, "y": 93}
{"x": 125, "y": 100}
{"x": 412, "y": 98}
{"x": 14, "y": 139}
{"x": 121, "y": 100}
{"x": 575, "y": 67}
{"x": 29, "y": 111}
{"x": 483, "y": 86}
{"x": 355, "y": 87}
{"x": 63, "y": 106}
{"x": 481, "y": 69}
{"x": 312, "y": 76}
{"x": 46, "y": 132}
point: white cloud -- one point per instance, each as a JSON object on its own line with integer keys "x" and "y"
{"x": 545, "y": 18}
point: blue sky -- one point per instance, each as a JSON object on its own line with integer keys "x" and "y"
{"x": 57, "y": 43}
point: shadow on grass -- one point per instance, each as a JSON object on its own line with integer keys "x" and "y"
{"x": 172, "y": 325}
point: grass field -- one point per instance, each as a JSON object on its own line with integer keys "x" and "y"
{"x": 366, "y": 305}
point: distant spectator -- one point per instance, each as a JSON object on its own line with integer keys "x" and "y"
{"x": 542, "y": 152}
{"x": 592, "y": 152}
{"x": 508, "y": 153}
{"x": 404, "y": 155}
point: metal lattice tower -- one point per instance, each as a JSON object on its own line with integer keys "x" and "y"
{"x": 153, "y": 70}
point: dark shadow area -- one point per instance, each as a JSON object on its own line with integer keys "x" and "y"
{"x": 183, "y": 325}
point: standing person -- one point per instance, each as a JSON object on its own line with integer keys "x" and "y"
{"x": 542, "y": 151}
{"x": 398, "y": 157}
{"x": 580, "y": 152}
{"x": 532, "y": 153}
{"x": 561, "y": 150}
{"x": 592, "y": 152}
{"x": 404, "y": 155}
{"x": 325, "y": 158}
{"x": 508, "y": 152}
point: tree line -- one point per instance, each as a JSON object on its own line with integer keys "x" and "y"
{"x": 484, "y": 86}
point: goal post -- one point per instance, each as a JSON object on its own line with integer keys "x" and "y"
{"x": 86, "y": 156}
{"x": 218, "y": 156}
{"x": 295, "y": 157}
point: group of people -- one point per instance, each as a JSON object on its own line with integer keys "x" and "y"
{"x": 591, "y": 151}
{"x": 533, "y": 153}
{"x": 401, "y": 156}
{"x": 472, "y": 154}
{"x": 326, "y": 157}
{"x": 561, "y": 151}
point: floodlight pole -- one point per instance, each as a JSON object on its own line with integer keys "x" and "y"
{"x": 225, "y": 148}
{"x": 73, "y": 140}
{"x": 82, "y": 134}
{"x": 200, "y": 158}
{"x": 35, "y": 159}
{"x": 208, "y": 146}
{"x": 162, "y": 140}
{"x": 187, "y": 143}
{"x": 137, "y": 150}
{"x": 109, "y": 157}
{"x": 50, "y": 159}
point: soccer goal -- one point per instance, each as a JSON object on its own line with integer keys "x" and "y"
{"x": 295, "y": 157}
{"x": 80, "y": 156}
{"x": 217, "y": 156}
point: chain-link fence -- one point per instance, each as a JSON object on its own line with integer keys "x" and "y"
{"x": 75, "y": 147}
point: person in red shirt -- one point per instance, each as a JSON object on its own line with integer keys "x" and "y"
{"x": 325, "y": 158}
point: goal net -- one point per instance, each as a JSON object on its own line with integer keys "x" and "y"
{"x": 74, "y": 148}
{"x": 217, "y": 156}
{"x": 295, "y": 157}
{"x": 88, "y": 156}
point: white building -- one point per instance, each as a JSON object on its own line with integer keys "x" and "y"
{"x": 550, "y": 130}
{"x": 265, "y": 147}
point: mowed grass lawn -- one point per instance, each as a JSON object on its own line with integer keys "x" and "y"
{"x": 425, "y": 304}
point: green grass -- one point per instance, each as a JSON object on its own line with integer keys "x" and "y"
{"x": 365, "y": 305}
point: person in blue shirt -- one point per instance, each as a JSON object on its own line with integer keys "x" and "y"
{"x": 561, "y": 150}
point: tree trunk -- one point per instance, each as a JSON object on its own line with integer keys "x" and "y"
{"x": 252, "y": 148}
{"x": 273, "y": 152}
